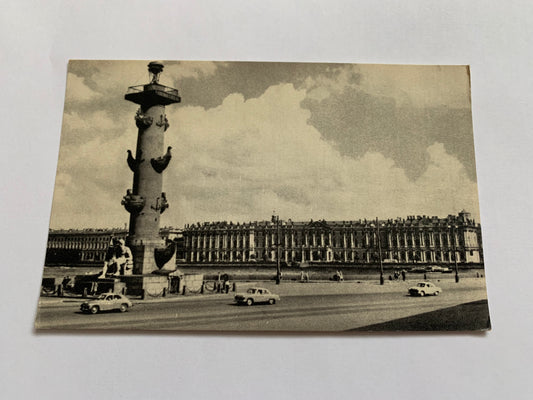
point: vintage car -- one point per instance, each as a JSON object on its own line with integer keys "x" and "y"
{"x": 437, "y": 268}
{"x": 106, "y": 302}
{"x": 424, "y": 288}
{"x": 256, "y": 295}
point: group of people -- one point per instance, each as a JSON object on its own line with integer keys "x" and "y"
{"x": 398, "y": 274}
{"x": 118, "y": 260}
{"x": 222, "y": 284}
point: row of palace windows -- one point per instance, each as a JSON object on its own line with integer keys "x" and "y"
{"x": 93, "y": 256}
{"x": 319, "y": 255}
{"x": 74, "y": 244}
{"x": 337, "y": 241}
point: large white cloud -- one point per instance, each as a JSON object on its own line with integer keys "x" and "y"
{"x": 244, "y": 159}
{"x": 91, "y": 179}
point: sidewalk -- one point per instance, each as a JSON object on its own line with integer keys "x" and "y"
{"x": 286, "y": 288}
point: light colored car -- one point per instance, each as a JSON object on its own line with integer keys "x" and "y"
{"x": 437, "y": 268}
{"x": 107, "y": 301}
{"x": 424, "y": 288}
{"x": 256, "y": 295}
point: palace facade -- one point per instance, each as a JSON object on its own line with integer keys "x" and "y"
{"x": 413, "y": 239}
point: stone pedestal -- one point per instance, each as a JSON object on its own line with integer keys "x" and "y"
{"x": 144, "y": 258}
{"x": 192, "y": 282}
{"x": 152, "y": 286}
{"x": 92, "y": 285}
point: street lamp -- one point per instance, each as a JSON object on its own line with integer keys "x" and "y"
{"x": 454, "y": 253}
{"x": 275, "y": 219}
{"x": 381, "y": 279}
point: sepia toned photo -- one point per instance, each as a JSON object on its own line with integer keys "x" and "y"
{"x": 255, "y": 197}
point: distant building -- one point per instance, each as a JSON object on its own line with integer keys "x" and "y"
{"x": 415, "y": 239}
{"x": 89, "y": 246}
{"x": 419, "y": 239}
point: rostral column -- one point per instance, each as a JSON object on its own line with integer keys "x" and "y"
{"x": 146, "y": 201}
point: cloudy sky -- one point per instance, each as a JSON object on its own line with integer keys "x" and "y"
{"x": 333, "y": 141}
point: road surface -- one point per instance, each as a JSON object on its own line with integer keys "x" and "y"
{"x": 317, "y": 312}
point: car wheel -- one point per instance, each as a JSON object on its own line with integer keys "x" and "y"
{"x": 272, "y": 301}
{"x": 249, "y": 302}
{"x": 422, "y": 294}
{"x": 123, "y": 307}
{"x": 436, "y": 293}
{"x": 94, "y": 309}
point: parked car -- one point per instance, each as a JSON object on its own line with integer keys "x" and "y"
{"x": 424, "y": 288}
{"x": 256, "y": 295}
{"x": 390, "y": 261}
{"x": 107, "y": 301}
{"x": 418, "y": 269}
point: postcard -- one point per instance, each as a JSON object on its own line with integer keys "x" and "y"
{"x": 265, "y": 197}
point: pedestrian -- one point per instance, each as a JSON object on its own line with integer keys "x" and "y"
{"x": 403, "y": 274}
{"x": 65, "y": 282}
{"x": 226, "y": 285}
{"x": 218, "y": 283}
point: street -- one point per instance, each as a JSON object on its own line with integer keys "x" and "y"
{"x": 366, "y": 305}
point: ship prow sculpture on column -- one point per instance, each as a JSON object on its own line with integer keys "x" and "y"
{"x": 146, "y": 201}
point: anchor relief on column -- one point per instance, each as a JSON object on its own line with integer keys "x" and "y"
{"x": 163, "y": 121}
{"x": 161, "y": 203}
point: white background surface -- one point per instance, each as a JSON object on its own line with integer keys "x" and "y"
{"x": 494, "y": 37}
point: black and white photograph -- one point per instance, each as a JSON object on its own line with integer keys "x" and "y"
{"x": 265, "y": 196}
{"x": 286, "y": 200}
